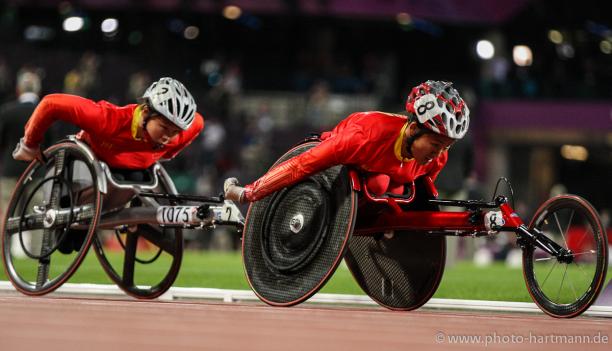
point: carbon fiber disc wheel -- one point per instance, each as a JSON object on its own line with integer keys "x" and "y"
{"x": 294, "y": 239}
{"x": 400, "y": 271}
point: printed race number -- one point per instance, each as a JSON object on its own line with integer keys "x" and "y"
{"x": 176, "y": 214}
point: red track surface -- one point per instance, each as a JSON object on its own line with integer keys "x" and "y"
{"x": 49, "y": 323}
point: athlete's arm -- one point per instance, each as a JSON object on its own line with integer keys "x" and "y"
{"x": 337, "y": 149}
{"x": 84, "y": 113}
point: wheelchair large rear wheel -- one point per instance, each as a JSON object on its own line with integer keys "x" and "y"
{"x": 566, "y": 287}
{"x": 295, "y": 238}
{"x": 399, "y": 270}
{"x": 51, "y": 219}
{"x": 146, "y": 258}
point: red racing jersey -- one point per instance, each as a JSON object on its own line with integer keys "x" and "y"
{"x": 368, "y": 141}
{"x": 108, "y": 129}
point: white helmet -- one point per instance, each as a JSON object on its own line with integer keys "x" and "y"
{"x": 170, "y": 98}
{"x": 438, "y": 107}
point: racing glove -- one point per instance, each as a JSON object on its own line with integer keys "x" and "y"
{"x": 23, "y": 152}
{"x": 233, "y": 191}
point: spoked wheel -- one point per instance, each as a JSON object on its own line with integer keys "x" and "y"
{"x": 142, "y": 253}
{"x": 565, "y": 287}
{"x": 51, "y": 219}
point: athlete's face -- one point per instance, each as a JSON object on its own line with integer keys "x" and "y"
{"x": 428, "y": 146}
{"x": 161, "y": 130}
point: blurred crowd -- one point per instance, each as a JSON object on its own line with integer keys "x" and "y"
{"x": 246, "y": 132}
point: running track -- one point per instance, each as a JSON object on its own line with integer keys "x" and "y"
{"x": 60, "y": 323}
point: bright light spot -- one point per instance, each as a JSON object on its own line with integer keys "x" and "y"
{"x": 565, "y": 50}
{"x": 191, "y": 32}
{"x": 73, "y": 24}
{"x": 522, "y": 56}
{"x": 109, "y": 25}
{"x": 574, "y": 152}
{"x": 403, "y": 18}
{"x": 555, "y": 36}
{"x": 485, "y": 49}
{"x": 232, "y": 12}
{"x": 605, "y": 47}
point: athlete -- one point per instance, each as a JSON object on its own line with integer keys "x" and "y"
{"x": 131, "y": 137}
{"x": 392, "y": 150}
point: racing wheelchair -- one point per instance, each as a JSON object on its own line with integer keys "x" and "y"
{"x": 395, "y": 245}
{"x": 68, "y": 200}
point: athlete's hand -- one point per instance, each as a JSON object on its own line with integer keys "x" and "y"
{"x": 233, "y": 191}
{"x": 23, "y": 152}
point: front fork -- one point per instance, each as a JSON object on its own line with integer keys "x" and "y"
{"x": 531, "y": 238}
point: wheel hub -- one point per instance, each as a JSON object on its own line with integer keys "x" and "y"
{"x": 50, "y": 217}
{"x": 297, "y": 223}
{"x": 566, "y": 256}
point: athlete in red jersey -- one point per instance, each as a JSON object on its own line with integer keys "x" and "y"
{"x": 391, "y": 150}
{"x": 131, "y": 137}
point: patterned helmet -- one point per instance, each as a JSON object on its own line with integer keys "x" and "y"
{"x": 170, "y": 98}
{"x": 438, "y": 107}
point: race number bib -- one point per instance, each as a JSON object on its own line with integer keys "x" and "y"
{"x": 176, "y": 214}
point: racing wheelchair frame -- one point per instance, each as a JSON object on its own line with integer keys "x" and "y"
{"x": 395, "y": 245}
{"x": 68, "y": 200}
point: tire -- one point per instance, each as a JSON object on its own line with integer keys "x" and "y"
{"x": 50, "y": 254}
{"x": 565, "y": 290}
{"x": 148, "y": 248}
{"x": 294, "y": 239}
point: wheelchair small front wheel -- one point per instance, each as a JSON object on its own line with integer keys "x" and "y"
{"x": 50, "y": 219}
{"x": 565, "y": 287}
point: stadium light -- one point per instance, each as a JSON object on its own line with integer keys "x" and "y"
{"x": 485, "y": 49}
{"x": 522, "y": 55}
{"x": 403, "y": 19}
{"x": 574, "y": 152}
{"x": 73, "y": 24}
{"x": 555, "y": 36}
{"x": 191, "y": 32}
{"x": 109, "y": 25}
{"x": 232, "y": 12}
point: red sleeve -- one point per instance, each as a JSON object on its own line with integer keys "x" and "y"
{"x": 187, "y": 137}
{"x": 339, "y": 148}
{"x": 84, "y": 113}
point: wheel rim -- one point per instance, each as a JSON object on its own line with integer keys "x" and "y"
{"x": 44, "y": 191}
{"x": 141, "y": 253}
{"x": 566, "y": 287}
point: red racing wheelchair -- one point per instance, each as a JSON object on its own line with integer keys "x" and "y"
{"x": 395, "y": 245}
